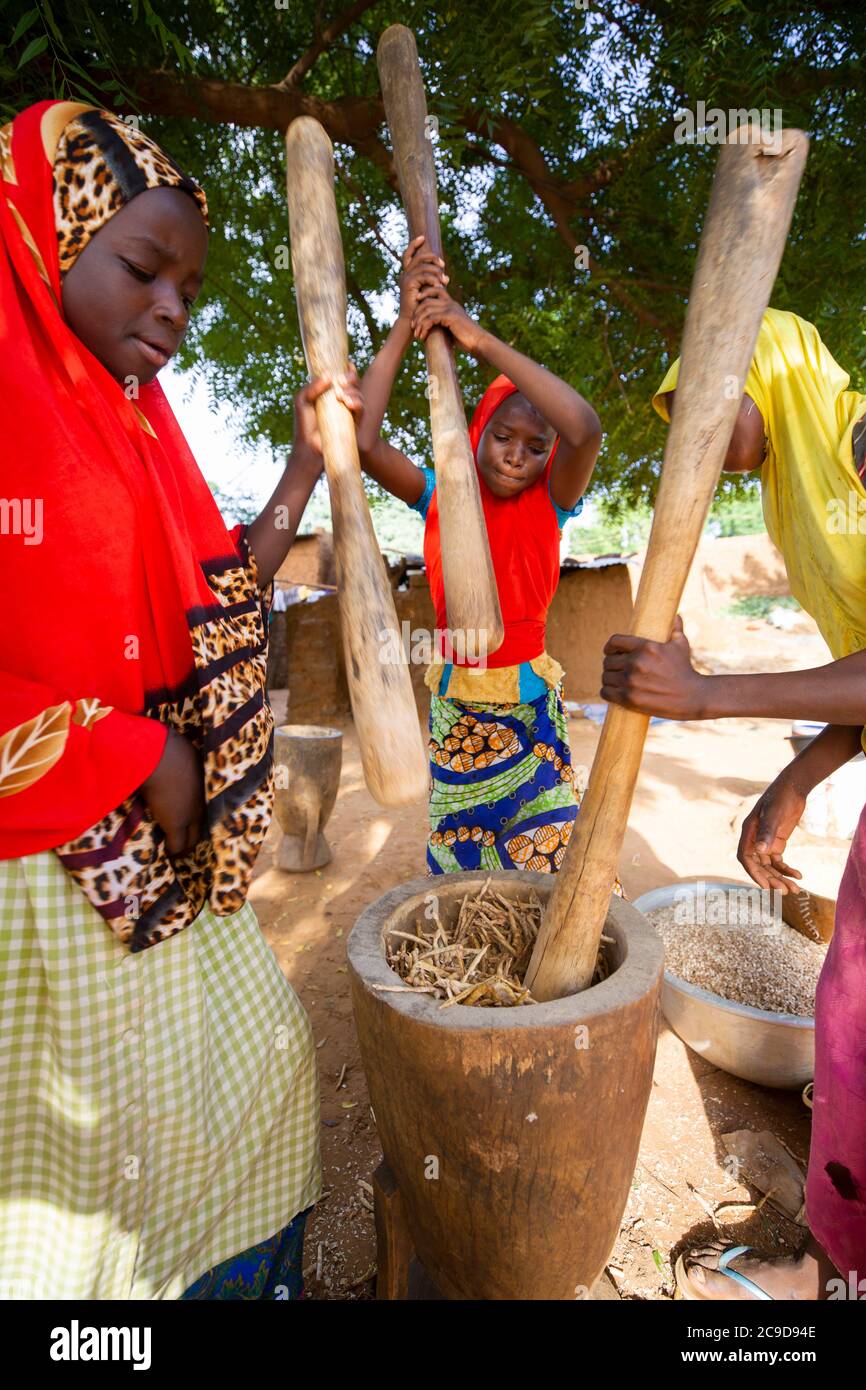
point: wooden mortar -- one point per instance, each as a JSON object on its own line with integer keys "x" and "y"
{"x": 512, "y": 1133}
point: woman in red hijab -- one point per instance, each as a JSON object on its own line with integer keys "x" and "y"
{"x": 157, "y": 1074}
{"x": 503, "y": 793}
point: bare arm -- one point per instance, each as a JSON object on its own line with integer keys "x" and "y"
{"x": 565, "y": 409}
{"x": 271, "y": 535}
{"x": 833, "y": 747}
{"x": 658, "y": 678}
{"x": 772, "y": 820}
{"x": 390, "y": 468}
{"x": 377, "y": 382}
{"x": 746, "y": 449}
{"x": 835, "y": 693}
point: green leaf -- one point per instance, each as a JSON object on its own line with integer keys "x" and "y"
{"x": 48, "y": 16}
{"x": 33, "y": 49}
{"x": 24, "y": 24}
{"x": 659, "y": 1262}
{"x": 73, "y": 67}
{"x": 587, "y": 93}
{"x": 83, "y": 94}
{"x": 184, "y": 56}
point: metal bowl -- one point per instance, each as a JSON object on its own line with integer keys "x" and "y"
{"x": 767, "y": 1048}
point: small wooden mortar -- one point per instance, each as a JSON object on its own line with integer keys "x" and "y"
{"x": 307, "y": 762}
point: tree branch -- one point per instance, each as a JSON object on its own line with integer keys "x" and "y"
{"x": 350, "y": 120}
{"x": 323, "y": 40}
{"x": 531, "y": 163}
{"x": 357, "y": 121}
{"x": 358, "y": 299}
{"x": 359, "y": 196}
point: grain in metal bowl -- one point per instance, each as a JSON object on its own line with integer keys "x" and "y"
{"x": 773, "y": 1046}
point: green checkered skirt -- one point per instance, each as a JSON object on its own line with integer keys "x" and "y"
{"x": 159, "y": 1110}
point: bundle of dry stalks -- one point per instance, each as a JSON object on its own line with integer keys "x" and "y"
{"x": 481, "y": 959}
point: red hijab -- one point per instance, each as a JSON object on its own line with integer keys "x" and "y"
{"x": 524, "y": 545}
{"x": 124, "y": 609}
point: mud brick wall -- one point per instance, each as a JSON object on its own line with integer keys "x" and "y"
{"x": 307, "y": 654}
{"x": 589, "y": 605}
{"x": 415, "y": 607}
{"x": 316, "y": 674}
{"x": 278, "y": 664}
{"x": 310, "y": 560}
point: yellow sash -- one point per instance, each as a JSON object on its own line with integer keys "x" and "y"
{"x": 497, "y": 685}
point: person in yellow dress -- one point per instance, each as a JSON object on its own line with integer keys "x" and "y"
{"x": 802, "y": 426}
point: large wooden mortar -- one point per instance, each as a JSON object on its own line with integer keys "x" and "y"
{"x": 512, "y": 1133}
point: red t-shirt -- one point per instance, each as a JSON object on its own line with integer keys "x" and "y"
{"x": 523, "y": 532}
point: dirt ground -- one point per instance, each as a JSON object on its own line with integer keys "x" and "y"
{"x": 697, "y": 780}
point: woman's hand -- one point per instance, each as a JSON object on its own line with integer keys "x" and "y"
{"x": 436, "y": 309}
{"x": 766, "y": 831}
{"x": 307, "y": 441}
{"x": 174, "y": 793}
{"x": 653, "y": 677}
{"x": 421, "y": 267}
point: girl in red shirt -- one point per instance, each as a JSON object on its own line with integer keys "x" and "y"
{"x": 503, "y": 792}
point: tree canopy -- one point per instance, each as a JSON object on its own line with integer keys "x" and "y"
{"x": 570, "y": 213}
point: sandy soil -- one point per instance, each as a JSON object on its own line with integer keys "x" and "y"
{"x": 696, "y": 781}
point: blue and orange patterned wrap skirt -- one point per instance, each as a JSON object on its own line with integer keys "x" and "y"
{"x": 504, "y": 793}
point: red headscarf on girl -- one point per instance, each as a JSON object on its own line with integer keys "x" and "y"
{"x": 524, "y": 544}
{"x": 127, "y": 605}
